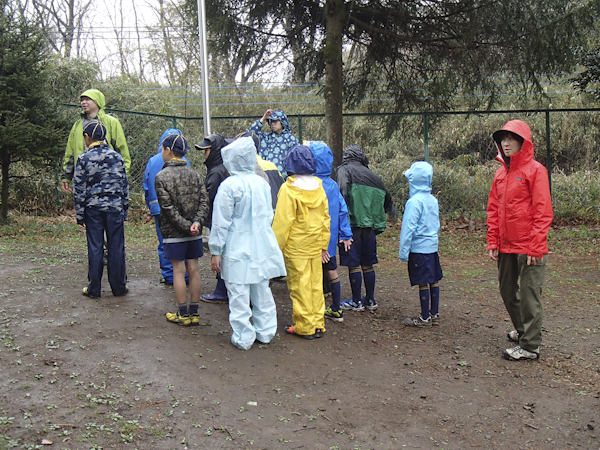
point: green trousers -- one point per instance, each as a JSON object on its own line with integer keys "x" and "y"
{"x": 521, "y": 290}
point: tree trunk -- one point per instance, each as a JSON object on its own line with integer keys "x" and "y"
{"x": 335, "y": 16}
{"x": 5, "y": 157}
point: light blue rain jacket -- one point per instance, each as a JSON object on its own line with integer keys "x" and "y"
{"x": 421, "y": 219}
{"x": 338, "y": 210}
{"x": 155, "y": 165}
{"x": 241, "y": 224}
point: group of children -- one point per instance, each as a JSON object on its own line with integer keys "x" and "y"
{"x": 256, "y": 236}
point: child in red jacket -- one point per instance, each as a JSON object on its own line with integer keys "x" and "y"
{"x": 519, "y": 218}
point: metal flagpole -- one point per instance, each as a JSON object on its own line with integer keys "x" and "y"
{"x": 204, "y": 66}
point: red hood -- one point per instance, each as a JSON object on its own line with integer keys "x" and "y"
{"x": 526, "y": 153}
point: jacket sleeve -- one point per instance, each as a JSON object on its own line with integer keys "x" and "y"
{"x": 541, "y": 203}
{"x": 201, "y": 215}
{"x": 79, "y": 192}
{"x": 343, "y": 181}
{"x": 256, "y": 128}
{"x": 167, "y": 208}
{"x": 285, "y": 213}
{"x": 125, "y": 198}
{"x": 150, "y": 192}
{"x": 118, "y": 142}
{"x": 410, "y": 219}
{"x": 325, "y": 234}
{"x": 493, "y": 233}
{"x": 344, "y": 223}
{"x": 222, "y": 219}
{"x": 69, "y": 159}
{"x": 389, "y": 207}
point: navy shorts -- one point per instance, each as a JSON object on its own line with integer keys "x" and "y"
{"x": 363, "y": 251}
{"x": 424, "y": 268}
{"x": 331, "y": 265}
{"x": 181, "y": 251}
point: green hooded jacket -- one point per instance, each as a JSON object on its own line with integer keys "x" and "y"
{"x": 115, "y": 137}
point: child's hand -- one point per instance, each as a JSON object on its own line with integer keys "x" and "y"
{"x": 494, "y": 255}
{"x": 325, "y": 258}
{"x": 532, "y": 260}
{"x": 195, "y": 229}
{"x": 215, "y": 263}
{"x": 347, "y": 243}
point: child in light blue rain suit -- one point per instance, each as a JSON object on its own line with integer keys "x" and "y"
{"x": 155, "y": 165}
{"x": 419, "y": 243}
{"x": 243, "y": 246}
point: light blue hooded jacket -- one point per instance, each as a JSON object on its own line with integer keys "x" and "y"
{"x": 421, "y": 219}
{"x": 241, "y": 223}
{"x": 155, "y": 165}
{"x": 338, "y": 210}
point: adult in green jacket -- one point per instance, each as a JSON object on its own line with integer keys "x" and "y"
{"x": 92, "y": 105}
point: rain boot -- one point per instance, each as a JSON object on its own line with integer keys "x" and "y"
{"x": 218, "y": 296}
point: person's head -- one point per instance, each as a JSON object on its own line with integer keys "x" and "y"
{"x": 174, "y": 146}
{"x": 300, "y": 161}
{"x": 239, "y": 157}
{"x": 167, "y": 132}
{"x": 323, "y": 158}
{"x": 212, "y": 144}
{"x": 94, "y": 131}
{"x": 92, "y": 101}
{"x": 278, "y": 122}
{"x": 419, "y": 176}
{"x": 254, "y": 137}
{"x": 511, "y": 137}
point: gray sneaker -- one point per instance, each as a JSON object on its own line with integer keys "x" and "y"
{"x": 417, "y": 321}
{"x": 518, "y": 354}
{"x": 513, "y": 336}
{"x": 371, "y": 305}
{"x": 435, "y": 319}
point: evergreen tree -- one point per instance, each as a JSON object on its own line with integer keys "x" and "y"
{"x": 29, "y": 130}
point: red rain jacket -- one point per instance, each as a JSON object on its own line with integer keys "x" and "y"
{"x": 519, "y": 211}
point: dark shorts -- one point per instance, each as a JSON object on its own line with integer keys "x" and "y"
{"x": 181, "y": 251}
{"x": 424, "y": 268}
{"x": 331, "y": 265}
{"x": 363, "y": 251}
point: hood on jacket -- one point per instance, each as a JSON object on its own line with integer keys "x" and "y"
{"x": 300, "y": 161}
{"x": 323, "y": 157}
{"x": 97, "y": 96}
{"x": 164, "y": 135}
{"x": 524, "y": 155}
{"x": 419, "y": 177}
{"x": 217, "y": 142}
{"x": 239, "y": 157}
{"x": 280, "y": 115}
{"x": 355, "y": 153}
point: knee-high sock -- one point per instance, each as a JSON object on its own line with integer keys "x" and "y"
{"x": 424, "y": 299}
{"x": 434, "y": 291}
{"x": 355, "y": 275}
{"x": 369, "y": 277}
{"x": 336, "y": 293}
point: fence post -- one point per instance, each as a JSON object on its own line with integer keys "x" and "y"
{"x": 174, "y": 122}
{"x": 426, "y": 135}
{"x": 548, "y": 150}
{"x": 300, "y": 129}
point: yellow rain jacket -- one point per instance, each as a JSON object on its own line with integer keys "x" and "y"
{"x": 301, "y": 226}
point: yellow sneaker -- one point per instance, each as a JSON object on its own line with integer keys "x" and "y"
{"x": 178, "y": 319}
{"x": 195, "y": 319}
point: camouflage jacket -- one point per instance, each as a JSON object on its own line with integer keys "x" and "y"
{"x": 100, "y": 182}
{"x": 183, "y": 200}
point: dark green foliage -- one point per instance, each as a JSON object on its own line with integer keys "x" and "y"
{"x": 29, "y": 130}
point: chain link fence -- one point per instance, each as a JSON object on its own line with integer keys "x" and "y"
{"x": 459, "y": 146}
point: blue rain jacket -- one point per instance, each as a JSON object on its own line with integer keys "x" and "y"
{"x": 275, "y": 147}
{"x": 155, "y": 165}
{"x": 421, "y": 219}
{"x": 241, "y": 224}
{"x": 338, "y": 210}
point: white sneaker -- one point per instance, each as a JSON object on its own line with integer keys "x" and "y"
{"x": 513, "y": 336}
{"x": 517, "y": 354}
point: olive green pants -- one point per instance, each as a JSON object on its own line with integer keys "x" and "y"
{"x": 521, "y": 290}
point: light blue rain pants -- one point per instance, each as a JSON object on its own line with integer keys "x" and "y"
{"x": 256, "y": 301}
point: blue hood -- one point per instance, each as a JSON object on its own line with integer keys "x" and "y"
{"x": 323, "y": 157}
{"x": 239, "y": 157}
{"x": 419, "y": 177}
{"x": 300, "y": 161}
{"x": 164, "y": 135}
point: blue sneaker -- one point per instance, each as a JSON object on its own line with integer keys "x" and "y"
{"x": 371, "y": 304}
{"x": 349, "y": 305}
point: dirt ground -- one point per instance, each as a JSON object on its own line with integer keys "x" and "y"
{"x": 112, "y": 373}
